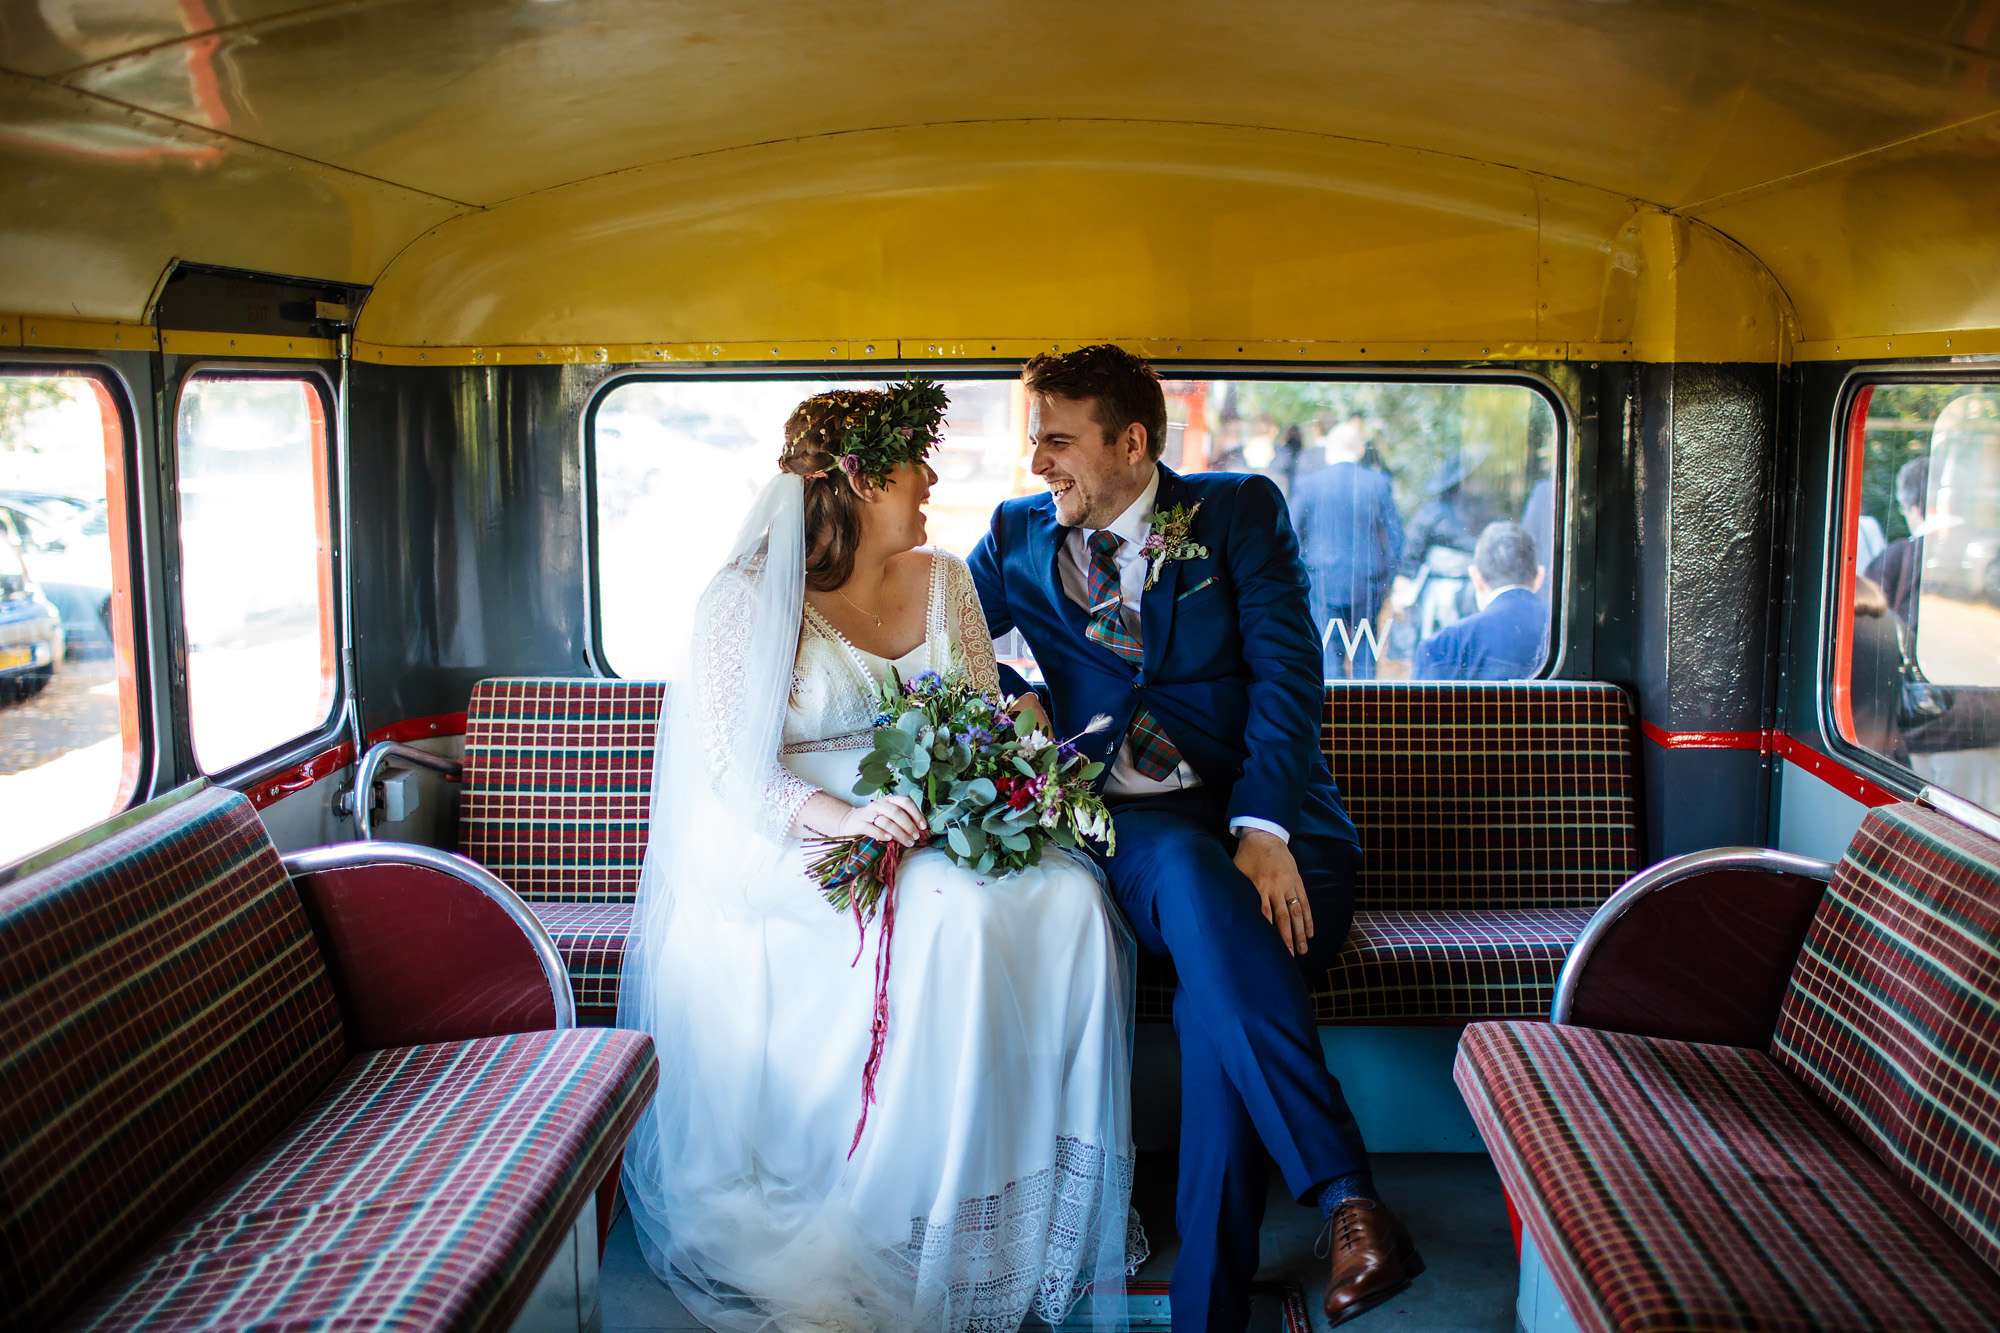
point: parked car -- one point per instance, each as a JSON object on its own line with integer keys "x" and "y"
{"x": 71, "y": 563}
{"x": 31, "y": 632}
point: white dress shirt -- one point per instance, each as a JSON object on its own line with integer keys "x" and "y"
{"x": 1132, "y": 527}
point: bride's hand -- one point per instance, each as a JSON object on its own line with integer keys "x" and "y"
{"x": 885, "y": 818}
{"x": 1028, "y": 707}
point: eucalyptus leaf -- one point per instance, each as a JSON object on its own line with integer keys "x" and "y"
{"x": 982, "y": 791}
{"x": 1021, "y": 765}
{"x": 959, "y": 842}
{"x": 919, "y": 762}
{"x": 1090, "y": 771}
{"x": 911, "y": 723}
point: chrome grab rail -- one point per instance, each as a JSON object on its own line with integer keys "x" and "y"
{"x": 353, "y": 855}
{"x": 363, "y": 795}
{"x": 1659, "y": 876}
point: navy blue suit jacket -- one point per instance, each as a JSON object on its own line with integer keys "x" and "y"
{"x": 1232, "y": 668}
{"x": 1503, "y": 642}
{"x": 1350, "y": 536}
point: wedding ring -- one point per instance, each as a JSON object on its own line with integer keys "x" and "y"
{"x": 1291, "y": 902}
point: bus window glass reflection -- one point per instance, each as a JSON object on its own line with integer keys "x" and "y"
{"x": 1391, "y": 488}
{"x": 256, "y": 566}
{"x": 69, "y": 724}
{"x": 1922, "y": 667}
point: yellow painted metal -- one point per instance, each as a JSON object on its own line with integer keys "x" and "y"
{"x": 1968, "y": 343}
{"x": 1673, "y": 101}
{"x": 974, "y": 231}
{"x": 675, "y": 354}
{"x": 1680, "y": 179}
{"x": 1905, "y": 239}
{"x": 100, "y": 199}
{"x": 187, "y": 342}
{"x": 96, "y": 335}
{"x": 1699, "y": 297}
{"x": 10, "y": 331}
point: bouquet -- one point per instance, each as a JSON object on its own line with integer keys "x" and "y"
{"x": 993, "y": 792}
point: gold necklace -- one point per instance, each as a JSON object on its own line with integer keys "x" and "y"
{"x": 858, "y": 607}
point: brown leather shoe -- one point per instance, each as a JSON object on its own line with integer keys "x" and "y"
{"x": 1373, "y": 1258}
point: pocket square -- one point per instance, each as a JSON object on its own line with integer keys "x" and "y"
{"x": 1195, "y": 589}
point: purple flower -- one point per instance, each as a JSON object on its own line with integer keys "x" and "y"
{"x": 1068, "y": 750}
{"x": 850, "y": 464}
{"x": 906, "y": 432}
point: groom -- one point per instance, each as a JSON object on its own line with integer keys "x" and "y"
{"x": 1235, "y": 858}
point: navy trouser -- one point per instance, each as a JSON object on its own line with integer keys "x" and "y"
{"x": 1253, "y": 1075}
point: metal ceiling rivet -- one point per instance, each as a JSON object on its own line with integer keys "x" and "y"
{"x": 869, "y": 349}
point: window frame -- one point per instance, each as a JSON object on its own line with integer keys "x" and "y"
{"x": 1534, "y": 381}
{"x": 1845, "y": 478}
{"x": 310, "y": 744}
{"x": 143, "y": 760}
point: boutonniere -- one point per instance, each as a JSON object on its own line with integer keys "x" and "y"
{"x": 1169, "y": 540}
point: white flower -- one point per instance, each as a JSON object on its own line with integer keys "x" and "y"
{"x": 1035, "y": 742}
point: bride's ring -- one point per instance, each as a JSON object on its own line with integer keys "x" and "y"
{"x": 1291, "y": 902}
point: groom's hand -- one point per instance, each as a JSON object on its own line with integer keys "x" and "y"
{"x": 1268, "y": 864}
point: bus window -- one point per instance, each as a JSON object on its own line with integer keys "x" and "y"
{"x": 1917, "y": 665}
{"x": 256, "y": 563}
{"x": 1418, "y": 505}
{"x": 70, "y": 745}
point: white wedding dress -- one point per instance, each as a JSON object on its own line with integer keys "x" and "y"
{"x": 992, "y": 1182}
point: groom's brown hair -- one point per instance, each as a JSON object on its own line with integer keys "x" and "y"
{"x": 1121, "y": 389}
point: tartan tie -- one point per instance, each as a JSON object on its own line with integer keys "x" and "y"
{"x": 1153, "y": 755}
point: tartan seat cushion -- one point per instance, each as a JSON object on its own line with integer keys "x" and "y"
{"x": 1478, "y": 796}
{"x": 591, "y": 939}
{"x": 163, "y": 1006}
{"x": 1437, "y": 967}
{"x": 557, "y": 784}
{"x": 1669, "y": 1185}
{"x": 427, "y": 1187}
{"x": 1892, "y": 1018}
{"x": 1449, "y": 966}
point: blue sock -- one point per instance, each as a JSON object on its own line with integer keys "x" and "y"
{"x": 1353, "y": 1185}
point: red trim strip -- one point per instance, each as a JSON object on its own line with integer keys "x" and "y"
{"x": 1706, "y": 740}
{"x": 419, "y": 729}
{"x": 1833, "y": 773}
{"x": 1789, "y": 748}
{"x": 301, "y": 776}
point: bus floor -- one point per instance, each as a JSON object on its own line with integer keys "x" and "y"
{"x": 1451, "y": 1201}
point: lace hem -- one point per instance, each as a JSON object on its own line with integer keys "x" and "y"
{"x": 1032, "y": 1248}
{"x": 852, "y": 740}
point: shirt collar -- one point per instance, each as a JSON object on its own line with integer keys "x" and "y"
{"x": 1498, "y": 593}
{"x": 1136, "y": 522}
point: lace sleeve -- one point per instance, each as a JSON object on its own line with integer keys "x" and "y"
{"x": 972, "y": 646}
{"x": 721, "y": 675}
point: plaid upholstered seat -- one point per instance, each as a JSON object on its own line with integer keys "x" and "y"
{"x": 187, "y": 1139}
{"x": 1493, "y": 820}
{"x": 557, "y": 792}
{"x": 1847, "y": 1178}
{"x": 355, "y": 1215}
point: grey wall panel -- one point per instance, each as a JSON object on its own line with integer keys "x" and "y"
{"x": 468, "y": 530}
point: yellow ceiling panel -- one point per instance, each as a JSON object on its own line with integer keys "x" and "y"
{"x": 984, "y": 232}
{"x": 1898, "y": 241}
{"x": 99, "y": 199}
{"x": 480, "y": 100}
{"x": 45, "y": 37}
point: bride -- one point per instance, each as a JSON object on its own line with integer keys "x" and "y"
{"x": 990, "y": 1179}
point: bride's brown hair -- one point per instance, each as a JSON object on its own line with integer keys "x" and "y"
{"x": 833, "y": 502}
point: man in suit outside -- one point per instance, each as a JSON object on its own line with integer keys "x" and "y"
{"x": 1508, "y": 636}
{"x": 1350, "y": 537}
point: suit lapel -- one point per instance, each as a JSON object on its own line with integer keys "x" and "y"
{"x": 1156, "y": 604}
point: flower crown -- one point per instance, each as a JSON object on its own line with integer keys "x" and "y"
{"x": 871, "y": 433}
